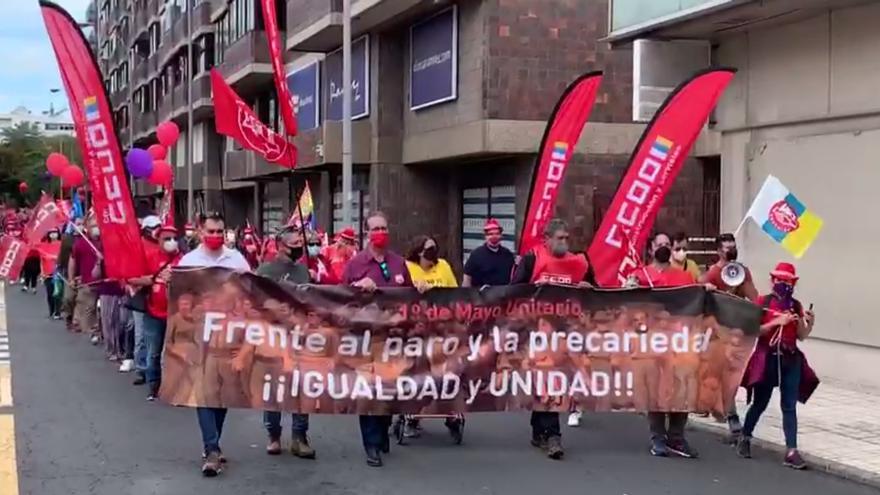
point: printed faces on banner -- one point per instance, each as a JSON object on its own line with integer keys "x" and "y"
{"x": 305, "y": 89}
{"x": 360, "y": 81}
{"x": 434, "y": 60}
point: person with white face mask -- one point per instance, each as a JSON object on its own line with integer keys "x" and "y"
{"x": 155, "y": 319}
{"x": 680, "y": 258}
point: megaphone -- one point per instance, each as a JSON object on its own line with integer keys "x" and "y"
{"x": 733, "y": 274}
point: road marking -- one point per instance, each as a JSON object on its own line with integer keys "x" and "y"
{"x": 8, "y": 465}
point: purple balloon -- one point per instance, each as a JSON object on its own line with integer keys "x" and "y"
{"x": 139, "y": 163}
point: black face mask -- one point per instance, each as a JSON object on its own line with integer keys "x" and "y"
{"x": 662, "y": 254}
{"x": 731, "y": 255}
{"x": 430, "y": 254}
{"x": 295, "y": 253}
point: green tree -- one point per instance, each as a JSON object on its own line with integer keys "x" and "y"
{"x": 23, "y": 152}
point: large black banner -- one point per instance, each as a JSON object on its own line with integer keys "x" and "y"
{"x": 239, "y": 340}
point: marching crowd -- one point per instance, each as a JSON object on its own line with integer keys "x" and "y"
{"x": 129, "y": 317}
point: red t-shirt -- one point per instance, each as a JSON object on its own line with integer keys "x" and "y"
{"x": 157, "y": 301}
{"x": 789, "y": 332}
{"x": 49, "y": 256}
{"x": 671, "y": 277}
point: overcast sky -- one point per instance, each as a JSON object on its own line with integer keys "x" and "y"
{"x": 27, "y": 65}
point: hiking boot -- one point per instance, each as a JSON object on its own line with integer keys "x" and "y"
{"x": 682, "y": 448}
{"x": 794, "y": 460}
{"x": 454, "y": 427}
{"x": 300, "y": 447}
{"x": 212, "y": 465}
{"x": 658, "y": 447}
{"x": 273, "y": 447}
{"x": 374, "y": 458}
{"x": 554, "y": 447}
{"x": 744, "y": 447}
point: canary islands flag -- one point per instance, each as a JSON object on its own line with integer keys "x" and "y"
{"x": 784, "y": 218}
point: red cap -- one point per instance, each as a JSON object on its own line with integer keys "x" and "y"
{"x": 347, "y": 234}
{"x": 492, "y": 224}
{"x": 785, "y": 271}
{"x": 168, "y": 228}
{"x": 189, "y": 226}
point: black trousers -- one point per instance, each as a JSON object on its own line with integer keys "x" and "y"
{"x": 545, "y": 424}
{"x": 31, "y": 272}
{"x": 53, "y": 301}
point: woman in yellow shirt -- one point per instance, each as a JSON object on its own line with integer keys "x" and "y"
{"x": 425, "y": 266}
{"x": 428, "y": 271}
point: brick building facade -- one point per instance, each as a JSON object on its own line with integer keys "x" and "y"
{"x": 441, "y": 169}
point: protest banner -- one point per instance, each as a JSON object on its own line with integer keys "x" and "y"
{"x": 13, "y": 252}
{"x": 243, "y": 341}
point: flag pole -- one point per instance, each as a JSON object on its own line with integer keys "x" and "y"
{"x": 346, "y": 113}
{"x": 740, "y": 227}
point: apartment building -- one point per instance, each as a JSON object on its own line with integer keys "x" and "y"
{"x": 450, "y": 103}
{"x": 804, "y": 108}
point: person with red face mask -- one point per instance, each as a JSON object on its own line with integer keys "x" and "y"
{"x": 374, "y": 267}
{"x": 491, "y": 263}
{"x": 250, "y": 246}
{"x": 212, "y": 252}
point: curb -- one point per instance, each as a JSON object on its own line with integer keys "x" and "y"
{"x": 816, "y": 463}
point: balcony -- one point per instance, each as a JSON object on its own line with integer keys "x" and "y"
{"x": 141, "y": 70}
{"x": 708, "y": 19}
{"x": 144, "y": 124}
{"x": 245, "y": 165}
{"x": 201, "y": 99}
{"x": 316, "y": 25}
{"x": 118, "y": 97}
{"x": 246, "y": 63}
{"x": 167, "y": 104}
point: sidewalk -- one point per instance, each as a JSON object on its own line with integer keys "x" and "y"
{"x": 838, "y": 430}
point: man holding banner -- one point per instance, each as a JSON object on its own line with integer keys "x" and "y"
{"x": 375, "y": 267}
{"x": 552, "y": 263}
{"x": 212, "y": 253}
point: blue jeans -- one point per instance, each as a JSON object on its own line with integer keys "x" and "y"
{"x": 140, "y": 347}
{"x": 299, "y": 424}
{"x": 789, "y": 391}
{"x": 374, "y": 431}
{"x": 211, "y": 424}
{"x": 154, "y": 340}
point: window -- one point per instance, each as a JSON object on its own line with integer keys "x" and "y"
{"x": 239, "y": 19}
{"x": 180, "y": 150}
{"x": 165, "y": 19}
{"x": 198, "y": 143}
{"x": 480, "y": 203}
{"x": 203, "y": 49}
{"x": 155, "y": 37}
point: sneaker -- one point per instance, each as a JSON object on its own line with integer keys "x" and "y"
{"x": 95, "y": 340}
{"x": 127, "y": 366}
{"x": 374, "y": 458}
{"x": 658, "y": 447}
{"x": 139, "y": 378}
{"x": 212, "y": 465}
{"x": 574, "y": 419}
{"x": 34, "y": 290}
{"x": 794, "y": 460}
{"x": 300, "y": 447}
{"x": 554, "y": 448}
{"x": 274, "y": 447}
{"x": 682, "y": 448}
{"x": 744, "y": 447}
{"x": 411, "y": 429}
{"x": 23, "y": 288}
{"x": 56, "y": 317}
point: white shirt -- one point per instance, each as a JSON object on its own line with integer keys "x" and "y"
{"x": 229, "y": 258}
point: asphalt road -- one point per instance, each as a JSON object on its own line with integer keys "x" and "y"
{"x": 82, "y": 428}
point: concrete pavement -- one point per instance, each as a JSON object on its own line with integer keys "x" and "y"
{"x": 81, "y": 428}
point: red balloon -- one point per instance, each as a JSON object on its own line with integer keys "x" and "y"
{"x": 167, "y": 133}
{"x": 56, "y": 163}
{"x": 162, "y": 174}
{"x": 72, "y": 176}
{"x": 23, "y": 187}
{"x": 157, "y": 151}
